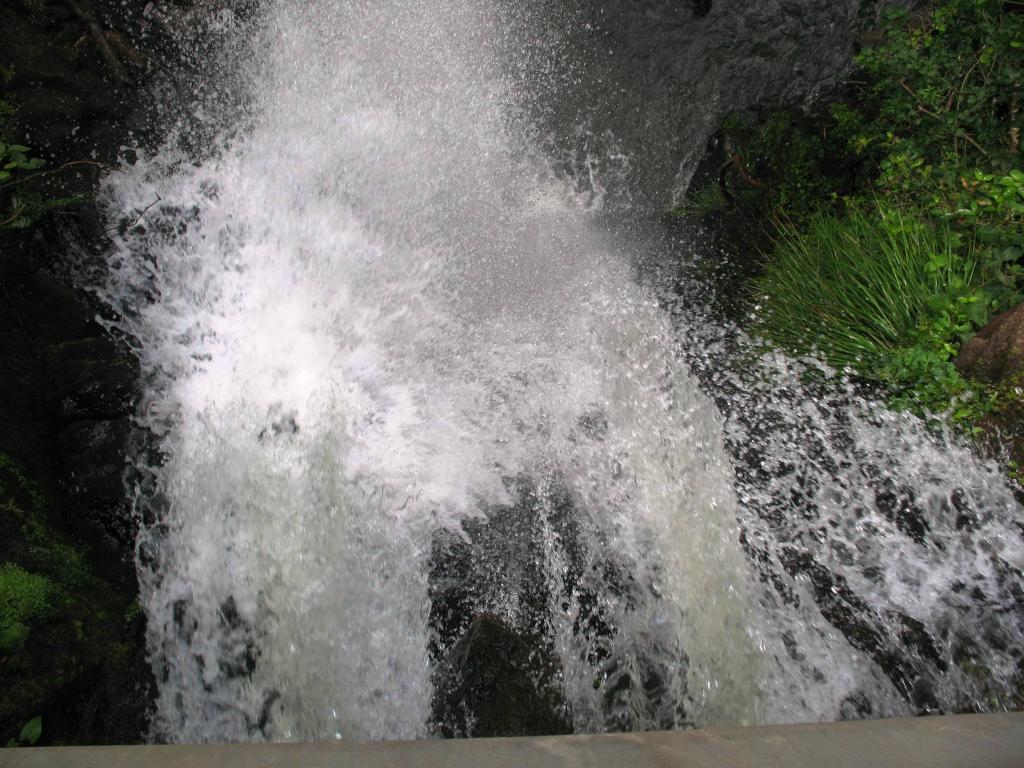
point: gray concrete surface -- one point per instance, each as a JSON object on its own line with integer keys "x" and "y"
{"x": 991, "y": 741}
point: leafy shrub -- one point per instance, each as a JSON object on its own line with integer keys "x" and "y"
{"x": 782, "y": 160}
{"x": 14, "y": 157}
{"x": 939, "y": 117}
{"x": 941, "y": 87}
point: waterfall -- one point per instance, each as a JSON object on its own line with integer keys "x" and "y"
{"x": 374, "y": 317}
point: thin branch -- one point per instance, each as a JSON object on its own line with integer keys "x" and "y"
{"x": 1014, "y": 130}
{"x": 14, "y": 309}
{"x": 64, "y": 167}
{"x": 972, "y": 141}
{"x": 744, "y": 173}
{"x": 920, "y": 104}
{"x": 13, "y": 218}
{"x": 137, "y": 220}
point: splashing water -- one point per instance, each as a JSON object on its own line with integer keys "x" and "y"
{"x": 373, "y": 320}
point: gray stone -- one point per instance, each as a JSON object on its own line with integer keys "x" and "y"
{"x": 653, "y": 79}
{"x": 90, "y": 379}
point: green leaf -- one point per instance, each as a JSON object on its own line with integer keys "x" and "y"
{"x": 32, "y": 731}
{"x": 17, "y": 148}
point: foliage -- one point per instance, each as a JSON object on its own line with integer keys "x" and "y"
{"x": 781, "y": 163}
{"x": 29, "y": 734}
{"x": 23, "y": 597}
{"x": 13, "y": 158}
{"x": 932, "y": 127}
{"x": 21, "y": 206}
{"x": 10, "y": 474}
{"x": 944, "y": 87}
{"x": 940, "y": 119}
{"x": 781, "y": 160}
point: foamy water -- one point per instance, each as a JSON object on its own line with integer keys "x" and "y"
{"x": 373, "y": 307}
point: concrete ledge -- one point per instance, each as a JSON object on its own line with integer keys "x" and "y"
{"x": 989, "y": 741}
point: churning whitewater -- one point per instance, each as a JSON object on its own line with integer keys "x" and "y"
{"x": 372, "y": 317}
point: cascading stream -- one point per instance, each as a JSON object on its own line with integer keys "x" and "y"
{"x": 372, "y": 319}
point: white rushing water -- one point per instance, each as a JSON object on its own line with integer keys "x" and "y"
{"x": 372, "y": 309}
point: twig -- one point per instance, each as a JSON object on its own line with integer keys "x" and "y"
{"x": 747, "y": 176}
{"x": 17, "y": 213}
{"x": 64, "y": 167}
{"x": 976, "y": 144}
{"x": 134, "y": 56}
{"x": 920, "y": 104}
{"x": 98, "y": 36}
{"x": 124, "y": 228}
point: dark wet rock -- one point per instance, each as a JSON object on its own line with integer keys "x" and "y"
{"x": 93, "y": 460}
{"x": 495, "y": 683}
{"x": 81, "y": 664}
{"x": 653, "y": 79}
{"x": 997, "y": 351}
{"x": 67, "y": 388}
{"x": 498, "y": 568}
{"x": 62, "y": 313}
{"x": 90, "y": 379}
{"x": 119, "y": 695}
{"x": 900, "y": 645}
{"x": 79, "y": 661}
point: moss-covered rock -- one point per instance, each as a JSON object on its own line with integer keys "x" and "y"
{"x": 24, "y": 597}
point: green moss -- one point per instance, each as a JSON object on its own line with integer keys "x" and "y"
{"x": 24, "y": 597}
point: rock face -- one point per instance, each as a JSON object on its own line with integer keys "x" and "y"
{"x": 78, "y": 660}
{"x": 67, "y": 390}
{"x": 652, "y": 79}
{"x": 996, "y": 353}
{"x": 496, "y": 683}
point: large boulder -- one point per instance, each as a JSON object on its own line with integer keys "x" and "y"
{"x": 637, "y": 87}
{"x": 996, "y": 356}
{"x": 996, "y": 353}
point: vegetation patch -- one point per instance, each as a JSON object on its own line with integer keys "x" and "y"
{"x": 861, "y": 287}
{"x": 899, "y": 211}
{"x": 26, "y": 190}
{"x": 24, "y": 597}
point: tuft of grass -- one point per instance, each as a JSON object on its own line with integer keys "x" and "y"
{"x": 857, "y": 288}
